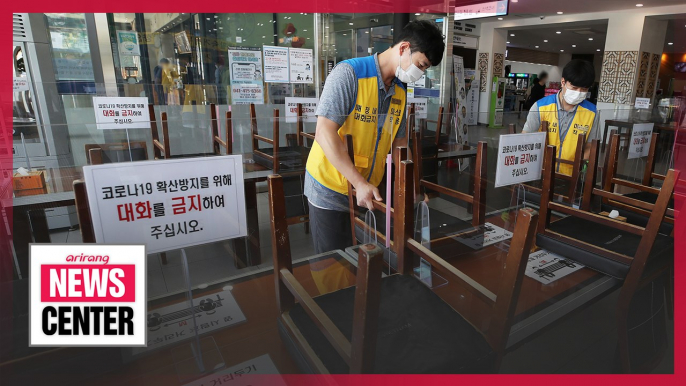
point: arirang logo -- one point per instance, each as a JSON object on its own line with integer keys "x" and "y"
{"x": 95, "y": 297}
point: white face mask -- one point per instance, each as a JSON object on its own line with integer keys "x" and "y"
{"x": 574, "y": 97}
{"x": 412, "y": 74}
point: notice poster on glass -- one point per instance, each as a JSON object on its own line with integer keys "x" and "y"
{"x": 472, "y": 103}
{"x": 520, "y": 158}
{"x": 245, "y": 66}
{"x": 167, "y": 204}
{"x": 128, "y": 43}
{"x": 275, "y": 64}
{"x": 302, "y": 65}
{"x": 639, "y": 144}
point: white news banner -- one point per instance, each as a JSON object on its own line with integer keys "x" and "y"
{"x": 546, "y": 267}
{"x": 482, "y": 236}
{"x": 234, "y": 375}
{"x": 174, "y": 323}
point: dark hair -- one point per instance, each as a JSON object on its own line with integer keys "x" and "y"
{"x": 543, "y": 75}
{"x": 425, "y": 37}
{"x": 164, "y": 61}
{"x": 580, "y": 73}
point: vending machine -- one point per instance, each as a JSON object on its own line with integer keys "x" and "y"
{"x": 495, "y": 118}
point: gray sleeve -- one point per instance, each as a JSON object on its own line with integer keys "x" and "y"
{"x": 339, "y": 94}
{"x": 533, "y": 120}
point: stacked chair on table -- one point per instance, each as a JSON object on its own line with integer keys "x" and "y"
{"x": 394, "y": 324}
{"x": 566, "y": 174}
{"x": 646, "y": 191}
{"x": 638, "y": 256}
{"x": 289, "y": 161}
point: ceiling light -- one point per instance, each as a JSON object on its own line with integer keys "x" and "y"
{"x": 263, "y": 37}
{"x": 590, "y": 38}
{"x": 515, "y": 1}
{"x": 511, "y": 34}
{"x": 507, "y": 42}
{"x": 350, "y": 23}
{"x": 558, "y": 32}
{"x": 670, "y": 43}
{"x": 304, "y": 30}
{"x": 536, "y": 46}
{"x": 560, "y": 13}
{"x": 545, "y": 41}
{"x": 417, "y": 14}
{"x": 326, "y": 26}
{"x": 574, "y": 45}
{"x": 366, "y": 32}
{"x": 598, "y": 50}
{"x": 500, "y": 18}
{"x": 562, "y": 50}
{"x": 639, "y": 5}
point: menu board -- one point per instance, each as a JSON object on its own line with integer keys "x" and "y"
{"x": 275, "y": 64}
{"x": 302, "y": 65}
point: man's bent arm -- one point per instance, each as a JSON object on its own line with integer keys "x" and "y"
{"x": 336, "y": 150}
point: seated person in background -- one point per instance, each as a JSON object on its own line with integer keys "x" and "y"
{"x": 537, "y": 90}
{"x": 568, "y": 113}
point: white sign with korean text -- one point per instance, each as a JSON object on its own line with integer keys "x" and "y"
{"x": 642, "y": 103}
{"x": 174, "y": 323}
{"x": 482, "y": 236}
{"x": 487, "y": 9}
{"x": 465, "y": 41}
{"x": 240, "y": 374}
{"x": 20, "y": 84}
{"x": 128, "y": 43}
{"x": 121, "y": 112}
{"x": 520, "y": 158}
{"x": 420, "y": 107}
{"x": 639, "y": 144}
{"x": 547, "y": 267}
{"x": 302, "y": 65}
{"x": 309, "y": 108}
{"x": 276, "y": 68}
{"x": 167, "y": 204}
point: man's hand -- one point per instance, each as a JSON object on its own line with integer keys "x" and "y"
{"x": 367, "y": 192}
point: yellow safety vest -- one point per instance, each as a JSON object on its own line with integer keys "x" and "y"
{"x": 370, "y": 144}
{"x": 582, "y": 123}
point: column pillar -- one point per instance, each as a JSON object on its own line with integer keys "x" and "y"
{"x": 490, "y": 63}
{"x": 631, "y": 61}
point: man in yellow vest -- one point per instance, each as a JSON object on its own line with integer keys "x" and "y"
{"x": 364, "y": 97}
{"x": 568, "y": 113}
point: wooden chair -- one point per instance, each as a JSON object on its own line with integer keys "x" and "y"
{"x": 441, "y": 223}
{"x": 635, "y": 214}
{"x": 301, "y": 134}
{"x": 394, "y": 324}
{"x": 98, "y": 154}
{"x": 290, "y": 161}
{"x": 161, "y": 150}
{"x": 636, "y": 255}
{"x": 217, "y": 142}
{"x": 435, "y": 140}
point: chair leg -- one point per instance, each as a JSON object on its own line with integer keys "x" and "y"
{"x": 163, "y": 257}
